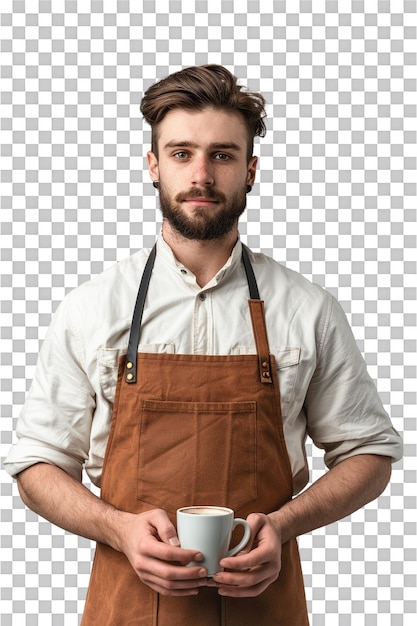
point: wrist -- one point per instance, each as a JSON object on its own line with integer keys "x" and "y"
{"x": 281, "y": 525}
{"x": 115, "y": 526}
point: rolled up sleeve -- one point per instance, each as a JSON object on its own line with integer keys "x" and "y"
{"x": 55, "y": 423}
{"x": 345, "y": 415}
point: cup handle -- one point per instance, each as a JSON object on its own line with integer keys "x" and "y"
{"x": 242, "y": 543}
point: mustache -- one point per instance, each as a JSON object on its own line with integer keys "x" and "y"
{"x": 201, "y": 193}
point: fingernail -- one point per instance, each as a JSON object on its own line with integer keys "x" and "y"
{"x": 174, "y": 541}
{"x": 202, "y": 573}
{"x": 199, "y": 557}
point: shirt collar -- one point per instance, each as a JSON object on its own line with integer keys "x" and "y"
{"x": 166, "y": 254}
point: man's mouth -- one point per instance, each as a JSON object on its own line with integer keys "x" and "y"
{"x": 201, "y": 201}
{"x": 200, "y": 198}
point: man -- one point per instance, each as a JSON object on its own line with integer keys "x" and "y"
{"x": 205, "y": 397}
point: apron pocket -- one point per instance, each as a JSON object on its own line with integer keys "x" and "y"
{"x": 197, "y": 453}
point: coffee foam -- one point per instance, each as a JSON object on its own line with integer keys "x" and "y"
{"x": 205, "y": 510}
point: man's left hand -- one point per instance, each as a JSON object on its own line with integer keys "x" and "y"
{"x": 256, "y": 567}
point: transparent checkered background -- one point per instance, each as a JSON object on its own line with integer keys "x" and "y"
{"x": 335, "y": 199}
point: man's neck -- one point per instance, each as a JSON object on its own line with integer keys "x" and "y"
{"x": 203, "y": 258}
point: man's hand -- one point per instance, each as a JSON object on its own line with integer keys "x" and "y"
{"x": 150, "y": 542}
{"x": 256, "y": 567}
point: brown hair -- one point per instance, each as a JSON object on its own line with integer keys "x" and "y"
{"x": 195, "y": 88}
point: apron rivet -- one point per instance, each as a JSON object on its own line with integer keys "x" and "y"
{"x": 266, "y": 374}
{"x": 129, "y": 377}
{"x": 264, "y": 364}
{"x": 129, "y": 365}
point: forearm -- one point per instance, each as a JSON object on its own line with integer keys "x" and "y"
{"x": 347, "y": 487}
{"x": 148, "y": 540}
{"x": 59, "y": 498}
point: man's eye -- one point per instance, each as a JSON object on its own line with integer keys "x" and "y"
{"x": 220, "y": 156}
{"x": 180, "y": 155}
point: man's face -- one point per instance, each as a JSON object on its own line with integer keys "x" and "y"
{"x": 203, "y": 171}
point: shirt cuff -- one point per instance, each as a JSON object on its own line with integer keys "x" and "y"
{"x": 25, "y": 454}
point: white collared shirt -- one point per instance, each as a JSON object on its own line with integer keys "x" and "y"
{"x": 326, "y": 392}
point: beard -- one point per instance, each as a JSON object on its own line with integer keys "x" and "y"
{"x": 206, "y": 223}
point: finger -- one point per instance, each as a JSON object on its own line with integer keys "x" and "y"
{"x": 165, "y": 528}
{"x": 173, "y": 580}
{"x": 168, "y": 574}
{"x": 250, "y": 584}
{"x": 178, "y": 587}
{"x": 256, "y": 521}
{"x": 191, "y": 590}
{"x": 247, "y": 577}
{"x": 156, "y": 549}
{"x": 244, "y": 592}
{"x": 244, "y": 561}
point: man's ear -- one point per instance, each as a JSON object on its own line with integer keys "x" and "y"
{"x": 252, "y": 171}
{"x": 153, "y": 165}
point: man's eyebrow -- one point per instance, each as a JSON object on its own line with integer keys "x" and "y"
{"x": 180, "y": 144}
{"x": 226, "y": 145}
{"x": 221, "y": 145}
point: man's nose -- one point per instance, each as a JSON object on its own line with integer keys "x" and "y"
{"x": 203, "y": 173}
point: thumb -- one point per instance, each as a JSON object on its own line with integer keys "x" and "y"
{"x": 174, "y": 541}
{"x": 166, "y": 530}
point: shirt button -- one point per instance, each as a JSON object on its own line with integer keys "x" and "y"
{"x": 183, "y": 271}
{"x": 202, "y": 296}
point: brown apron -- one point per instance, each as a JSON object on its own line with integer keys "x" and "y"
{"x": 195, "y": 429}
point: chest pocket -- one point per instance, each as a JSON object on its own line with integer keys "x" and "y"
{"x": 287, "y": 360}
{"x": 197, "y": 453}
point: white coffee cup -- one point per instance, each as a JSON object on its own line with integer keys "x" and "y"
{"x": 208, "y": 529}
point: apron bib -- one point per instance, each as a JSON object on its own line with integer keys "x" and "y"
{"x": 195, "y": 429}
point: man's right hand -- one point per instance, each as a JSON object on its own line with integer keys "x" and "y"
{"x": 150, "y": 542}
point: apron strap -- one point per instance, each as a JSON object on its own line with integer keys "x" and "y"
{"x": 257, "y": 314}
{"x": 132, "y": 350}
{"x": 253, "y": 286}
{"x": 256, "y": 307}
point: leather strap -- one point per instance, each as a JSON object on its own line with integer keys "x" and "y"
{"x": 132, "y": 350}
{"x": 253, "y": 286}
{"x": 257, "y": 313}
